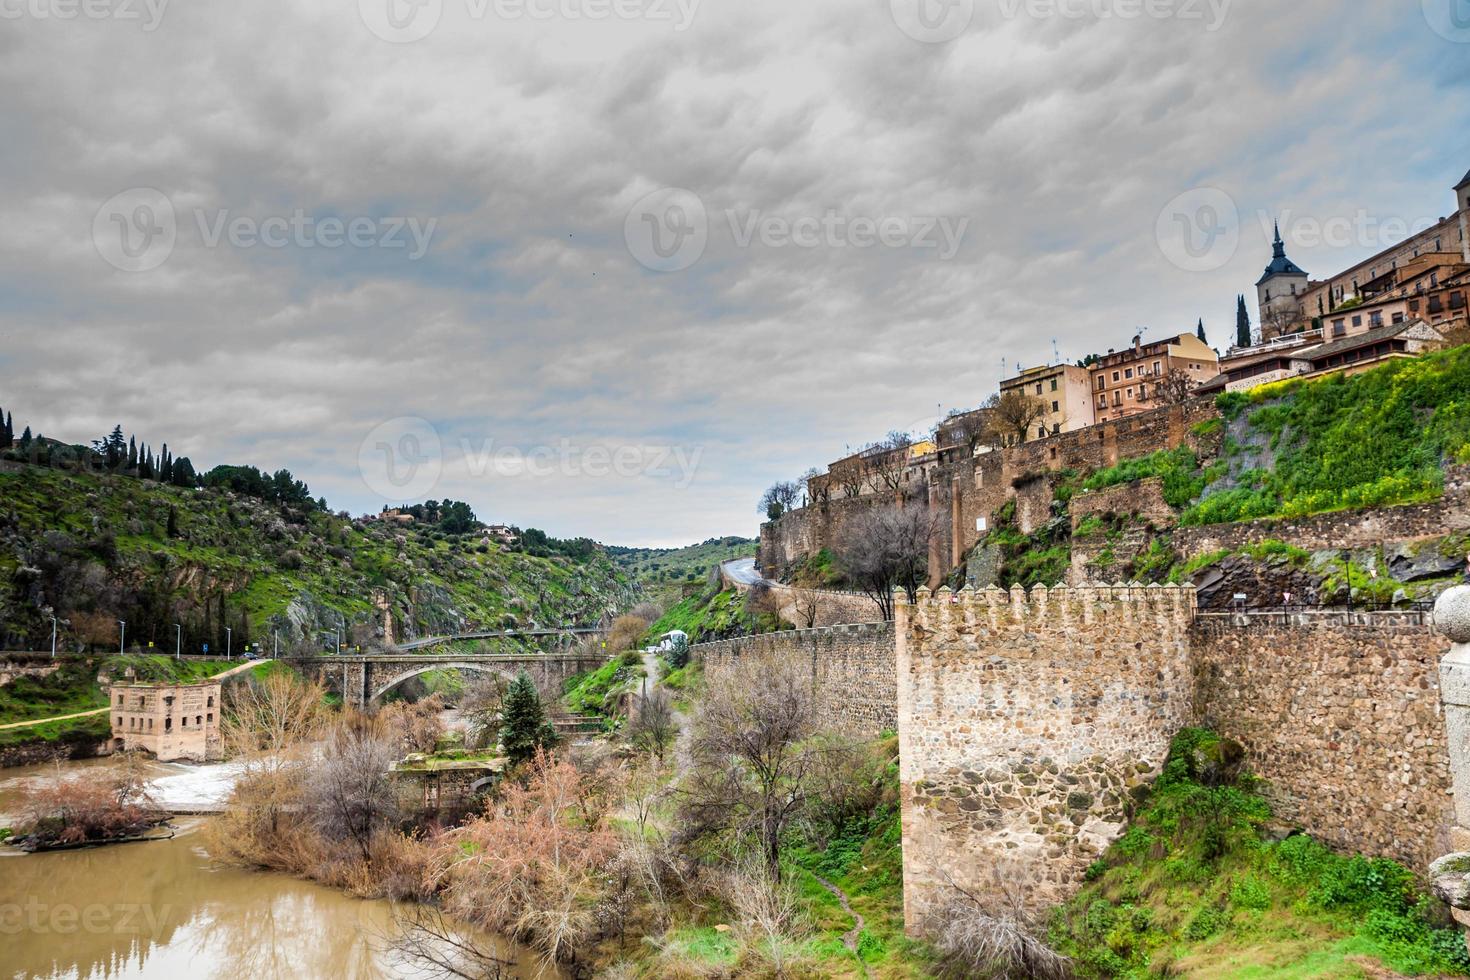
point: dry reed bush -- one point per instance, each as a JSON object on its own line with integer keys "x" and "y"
{"x": 995, "y": 934}
{"x": 768, "y": 920}
{"x": 418, "y": 725}
{"x": 531, "y": 866}
{"x": 65, "y": 811}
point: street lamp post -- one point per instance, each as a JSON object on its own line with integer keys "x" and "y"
{"x": 229, "y": 640}
{"x": 53, "y": 637}
{"x": 122, "y": 635}
{"x": 178, "y": 642}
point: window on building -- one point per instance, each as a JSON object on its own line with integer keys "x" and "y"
{"x": 119, "y": 721}
{"x": 184, "y": 722}
{"x": 1128, "y": 373}
{"x": 1115, "y": 377}
{"x": 1339, "y": 327}
{"x": 1053, "y": 384}
{"x": 1398, "y": 318}
{"x": 1038, "y": 387}
{"x": 1143, "y": 392}
{"x": 1055, "y": 407}
{"x": 209, "y": 701}
{"x": 168, "y": 724}
{"x": 1041, "y": 432}
{"x": 1358, "y": 320}
{"x": 209, "y": 717}
{"x": 119, "y": 700}
{"x": 1056, "y": 430}
{"x": 198, "y": 720}
{"x": 1130, "y": 392}
{"x": 1376, "y": 319}
{"x": 1156, "y": 367}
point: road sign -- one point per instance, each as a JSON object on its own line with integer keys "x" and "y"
{"x": 206, "y": 648}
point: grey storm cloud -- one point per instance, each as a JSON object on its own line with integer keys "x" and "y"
{"x": 1039, "y": 146}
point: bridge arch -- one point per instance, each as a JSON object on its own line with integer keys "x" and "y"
{"x": 415, "y": 671}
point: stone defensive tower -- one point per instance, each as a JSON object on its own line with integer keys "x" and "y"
{"x": 1024, "y": 722}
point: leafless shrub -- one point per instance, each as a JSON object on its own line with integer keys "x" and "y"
{"x": 418, "y": 725}
{"x": 995, "y": 935}
{"x": 845, "y": 783}
{"x": 647, "y": 610}
{"x": 767, "y": 914}
{"x": 653, "y": 728}
{"x": 63, "y": 811}
{"x": 480, "y": 706}
{"x": 626, "y": 633}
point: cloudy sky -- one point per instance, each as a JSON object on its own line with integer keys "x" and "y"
{"x": 611, "y": 267}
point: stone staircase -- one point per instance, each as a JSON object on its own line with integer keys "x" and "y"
{"x": 572, "y": 726}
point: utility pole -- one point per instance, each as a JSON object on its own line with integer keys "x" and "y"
{"x": 122, "y": 635}
{"x": 53, "y": 637}
{"x": 276, "y": 644}
{"x": 178, "y": 642}
{"x": 229, "y": 640}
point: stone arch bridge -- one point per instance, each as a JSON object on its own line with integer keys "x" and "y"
{"x": 362, "y": 680}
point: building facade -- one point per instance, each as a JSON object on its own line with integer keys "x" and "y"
{"x": 1062, "y": 390}
{"x": 171, "y": 721}
{"x": 1289, "y": 300}
{"x": 1125, "y": 383}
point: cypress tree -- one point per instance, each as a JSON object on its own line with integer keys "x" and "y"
{"x": 173, "y": 522}
{"x": 7, "y": 431}
{"x": 524, "y": 727}
{"x": 165, "y": 466}
{"x": 132, "y": 453}
{"x": 1242, "y": 324}
{"x": 25, "y": 439}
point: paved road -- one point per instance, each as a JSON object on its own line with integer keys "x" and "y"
{"x": 742, "y": 571}
{"x": 497, "y": 635}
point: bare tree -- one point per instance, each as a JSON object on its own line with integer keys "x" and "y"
{"x": 818, "y": 490}
{"x": 437, "y": 947}
{"x": 1174, "y": 387}
{"x": 751, "y": 763}
{"x": 887, "y": 461}
{"x": 852, "y": 476}
{"x": 350, "y": 795}
{"x": 653, "y": 728}
{"x": 887, "y": 549}
{"x": 779, "y": 498}
{"x": 967, "y": 430}
{"x": 1013, "y": 413}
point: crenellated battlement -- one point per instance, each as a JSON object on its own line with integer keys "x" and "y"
{"x": 1060, "y": 608}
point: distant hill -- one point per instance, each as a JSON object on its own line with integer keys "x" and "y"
{"x": 98, "y": 547}
{"x": 649, "y": 566}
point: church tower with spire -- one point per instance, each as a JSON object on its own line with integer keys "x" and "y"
{"x": 1279, "y": 292}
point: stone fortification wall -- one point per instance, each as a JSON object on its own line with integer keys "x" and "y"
{"x": 852, "y": 669}
{"x": 1340, "y": 713}
{"x": 1024, "y": 720}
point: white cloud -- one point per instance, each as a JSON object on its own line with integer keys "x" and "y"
{"x": 1059, "y": 140}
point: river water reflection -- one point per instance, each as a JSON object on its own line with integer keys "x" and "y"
{"x": 165, "y": 910}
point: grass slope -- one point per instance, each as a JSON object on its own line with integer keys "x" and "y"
{"x": 1197, "y": 887}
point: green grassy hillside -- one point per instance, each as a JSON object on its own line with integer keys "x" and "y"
{"x": 650, "y": 565}
{"x": 1199, "y": 885}
{"x": 99, "y": 548}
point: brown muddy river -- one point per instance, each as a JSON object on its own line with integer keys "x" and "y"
{"x": 165, "y": 910}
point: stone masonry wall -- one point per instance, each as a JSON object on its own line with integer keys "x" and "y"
{"x": 1345, "y": 528}
{"x": 851, "y": 667}
{"x": 1024, "y": 720}
{"x": 1341, "y": 714}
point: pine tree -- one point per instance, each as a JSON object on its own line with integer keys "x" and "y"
{"x": 113, "y": 449}
{"x": 524, "y": 727}
{"x": 1242, "y": 324}
{"x": 25, "y": 439}
{"x": 1200, "y": 332}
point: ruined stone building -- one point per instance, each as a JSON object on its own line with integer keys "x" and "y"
{"x": 172, "y": 721}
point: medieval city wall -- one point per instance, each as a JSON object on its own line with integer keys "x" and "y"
{"x": 1340, "y": 713}
{"x": 1024, "y": 721}
{"x": 852, "y": 670}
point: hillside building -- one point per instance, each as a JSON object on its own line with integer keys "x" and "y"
{"x": 1063, "y": 390}
{"x": 1125, "y": 383}
{"x": 1419, "y": 277}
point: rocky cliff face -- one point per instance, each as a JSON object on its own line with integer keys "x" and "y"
{"x": 93, "y": 550}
